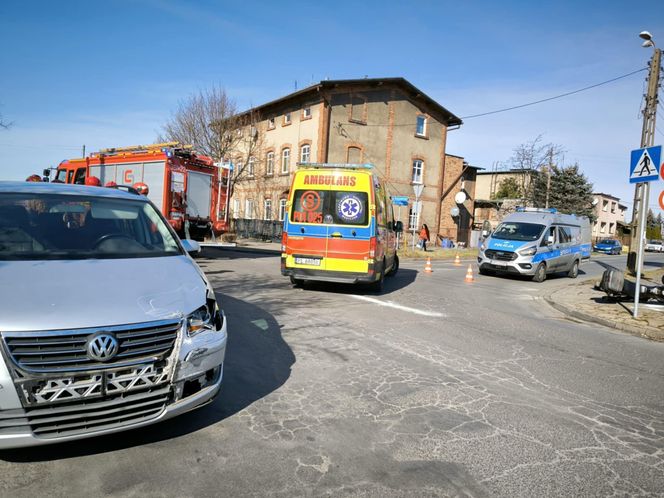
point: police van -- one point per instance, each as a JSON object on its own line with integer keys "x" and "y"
{"x": 340, "y": 226}
{"x": 536, "y": 242}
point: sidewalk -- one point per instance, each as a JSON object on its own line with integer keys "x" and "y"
{"x": 584, "y": 302}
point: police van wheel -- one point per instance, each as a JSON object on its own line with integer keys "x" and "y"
{"x": 395, "y": 267}
{"x": 574, "y": 270}
{"x": 540, "y": 273}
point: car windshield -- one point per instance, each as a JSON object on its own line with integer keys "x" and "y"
{"x": 607, "y": 241}
{"x": 655, "y": 242}
{"x": 518, "y": 231}
{"x": 52, "y": 226}
{"x": 330, "y": 207}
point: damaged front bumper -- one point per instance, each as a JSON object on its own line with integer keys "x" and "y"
{"x": 56, "y": 406}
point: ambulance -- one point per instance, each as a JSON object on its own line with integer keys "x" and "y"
{"x": 340, "y": 226}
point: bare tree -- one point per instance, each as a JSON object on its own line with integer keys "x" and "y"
{"x": 532, "y": 158}
{"x": 4, "y": 124}
{"x": 209, "y": 120}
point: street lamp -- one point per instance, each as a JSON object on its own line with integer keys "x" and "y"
{"x": 648, "y": 39}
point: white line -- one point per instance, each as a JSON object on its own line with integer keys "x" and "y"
{"x": 390, "y": 304}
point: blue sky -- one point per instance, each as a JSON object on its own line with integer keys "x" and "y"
{"x": 110, "y": 73}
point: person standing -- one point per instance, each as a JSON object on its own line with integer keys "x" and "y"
{"x": 424, "y": 236}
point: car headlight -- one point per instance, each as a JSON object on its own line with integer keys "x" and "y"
{"x": 207, "y": 317}
{"x": 528, "y": 252}
{"x": 482, "y": 246}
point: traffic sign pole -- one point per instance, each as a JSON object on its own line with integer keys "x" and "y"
{"x": 639, "y": 254}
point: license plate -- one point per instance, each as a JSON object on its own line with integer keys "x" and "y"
{"x": 307, "y": 261}
{"x": 499, "y": 264}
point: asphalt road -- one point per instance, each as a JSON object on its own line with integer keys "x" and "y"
{"x": 434, "y": 387}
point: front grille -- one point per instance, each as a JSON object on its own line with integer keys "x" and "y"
{"x": 500, "y": 255}
{"x": 80, "y": 417}
{"x": 65, "y": 350}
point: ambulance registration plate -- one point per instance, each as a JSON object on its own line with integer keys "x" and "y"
{"x": 307, "y": 261}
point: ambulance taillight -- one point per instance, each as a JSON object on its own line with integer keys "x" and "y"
{"x": 284, "y": 241}
{"x": 372, "y": 247}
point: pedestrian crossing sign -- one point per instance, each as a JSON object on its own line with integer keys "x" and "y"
{"x": 644, "y": 164}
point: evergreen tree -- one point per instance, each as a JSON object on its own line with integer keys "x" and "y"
{"x": 509, "y": 188}
{"x": 653, "y": 226}
{"x": 570, "y": 191}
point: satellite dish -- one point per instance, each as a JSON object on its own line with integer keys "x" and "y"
{"x": 460, "y": 197}
{"x": 454, "y": 212}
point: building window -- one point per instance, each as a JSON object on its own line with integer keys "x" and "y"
{"x": 305, "y": 153}
{"x": 605, "y": 205}
{"x": 611, "y": 228}
{"x": 306, "y": 113}
{"x": 602, "y": 227}
{"x": 287, "y": 118}
{"x": 418, "y": 167}
{"x": 251, "y": 167}
{"x": 413, "y": 219}
{"x": 270, "y": 124}
{"x": 236, "y": 208}
{"x": 358, "y": 109}
{"x": 354, "y": 155}
{"x": 282, "y": 209}
{"x": 421, "y": 127}
{"x": 267, "y": 209}
{"x": 249, "y": 209}
{"x": 269, "y": 163}
{"x": 285, "y": 161}
{"x": 613, "y": 207}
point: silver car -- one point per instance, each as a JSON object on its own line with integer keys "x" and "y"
{"x": 106, "y": 322}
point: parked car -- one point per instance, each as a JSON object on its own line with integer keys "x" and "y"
{"x": 654, "y": 246}
{"x": 106, "y": 322}
{"x": 608, "y": 246}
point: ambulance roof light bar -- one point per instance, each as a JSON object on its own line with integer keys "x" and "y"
{"x": 336, "y": 165}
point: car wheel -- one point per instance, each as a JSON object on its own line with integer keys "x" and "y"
{"x": 377, "y": 286}
{"x": 395, "y": 267}
{"x": 574, "y": 270}
{"x": 540, "y": 273}
{"x": 297, "y": 282}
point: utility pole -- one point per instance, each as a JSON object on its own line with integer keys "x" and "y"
{"x": 642, "y": 190}
{"x": 83, "y": 151}
{"x": 548, "y": 177}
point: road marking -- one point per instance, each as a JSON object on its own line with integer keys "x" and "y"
{"x": 390, "y": 304}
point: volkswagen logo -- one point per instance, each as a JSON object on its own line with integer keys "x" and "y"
{"x": 102, "y": 347}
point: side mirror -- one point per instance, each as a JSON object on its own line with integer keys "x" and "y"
{"x": 549, "y": 240}
{"x": 191, "y": 246}
{"x": 485, "y": 234}
{"x": 46, "y": 172}
{"x": 398, "y": 226}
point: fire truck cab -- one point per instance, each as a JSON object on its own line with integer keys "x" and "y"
{"x": 188, "y": 188}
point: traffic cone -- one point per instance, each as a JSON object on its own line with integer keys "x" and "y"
{"x": 427, "y": 267}
{"x": 469, "y": 274}
{"x": 457, "y": 260}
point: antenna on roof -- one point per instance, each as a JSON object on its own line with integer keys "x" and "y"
{"x": 295, "y": 84}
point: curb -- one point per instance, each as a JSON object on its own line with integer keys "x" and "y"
{"x": 641, "y": 331}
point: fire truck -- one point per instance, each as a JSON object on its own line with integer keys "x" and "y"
{"x": 189, "y": 189}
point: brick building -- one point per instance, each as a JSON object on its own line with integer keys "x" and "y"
{"x": 385, "y": 121}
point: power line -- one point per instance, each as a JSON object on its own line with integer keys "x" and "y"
{"x": 556, "y": 96}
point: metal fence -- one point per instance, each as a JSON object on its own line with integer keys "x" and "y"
{"x": 257, "y": 229}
